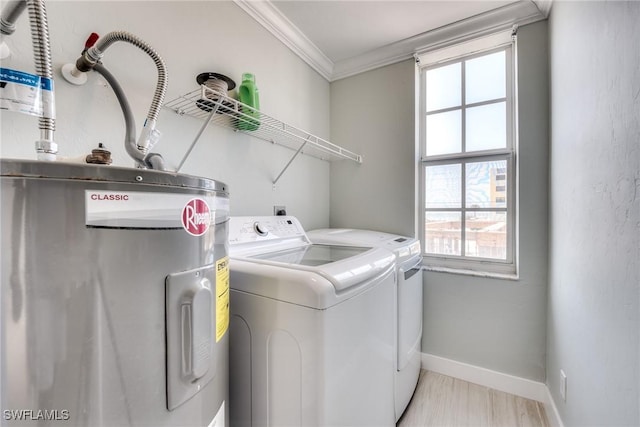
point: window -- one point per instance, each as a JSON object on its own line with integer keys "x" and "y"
{"x": 467, "y": 167}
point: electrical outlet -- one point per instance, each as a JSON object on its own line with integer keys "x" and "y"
{"x": 279, "y": 210}
{"x": 563, "y": 385}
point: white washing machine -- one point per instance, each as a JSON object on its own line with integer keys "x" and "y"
{"x": 408, "y": 330}
{"x": 312, "y": 329}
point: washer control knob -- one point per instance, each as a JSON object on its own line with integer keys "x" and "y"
{"x": 260, "y": 229}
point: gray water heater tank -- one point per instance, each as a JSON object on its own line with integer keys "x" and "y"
{"x": 114, "y": 301}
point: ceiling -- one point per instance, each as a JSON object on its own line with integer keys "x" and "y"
{"x": 344, "y": 29}
{"x": 344, "y": 37}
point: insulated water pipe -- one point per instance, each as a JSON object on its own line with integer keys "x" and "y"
{"x": 94, "y": 54}
{"x": 129, "y": 122}
{"x": 151, "y": 160}
{"x": 10, "y": 15}
{"x": 46, "y": 148}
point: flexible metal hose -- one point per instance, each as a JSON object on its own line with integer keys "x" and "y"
{"x": 45, "y": 147}
{"x": 95, "y": 53}
{"x": 42, "y": 55}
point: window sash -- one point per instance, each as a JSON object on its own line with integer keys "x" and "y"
{"x": 509, "y": 209}
{"x": 463, "y": 107}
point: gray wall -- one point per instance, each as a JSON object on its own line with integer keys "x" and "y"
{"x": 492, "y": 323}
{"x": 594, "y": 279}
{"x": 208, "y": 36}
{"x": 373, "y": 114}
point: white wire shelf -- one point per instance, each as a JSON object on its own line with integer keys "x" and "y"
{"x": 219, "y": 109}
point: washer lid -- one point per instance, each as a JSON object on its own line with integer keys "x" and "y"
{"x": 313, "y": 255}
{"x": 317, "y": 276}
{"x": 272, "y": 257}
{"x": 344, "y": 267}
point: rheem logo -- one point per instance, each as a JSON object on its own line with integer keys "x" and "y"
{"x": 196, "y": 217}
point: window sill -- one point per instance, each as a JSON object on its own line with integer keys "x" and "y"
{"x": 474, "y": 273}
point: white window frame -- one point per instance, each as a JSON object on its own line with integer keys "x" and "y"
{"x": 453, "y": 54}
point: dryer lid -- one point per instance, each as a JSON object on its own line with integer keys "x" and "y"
{"x": 406, "y": 249}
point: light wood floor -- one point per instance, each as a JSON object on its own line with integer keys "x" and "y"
{"x": 448, "y": 402}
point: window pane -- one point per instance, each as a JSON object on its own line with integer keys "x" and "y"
{"x": 485, "y": 78}
{"x": 443, "y": 233}
{"x": 444, "y": 87}
{"x": 486, "y": 235}
{"x": 486, "y": 184}
{"x": 443, "y": 186}
{"x": 444, "y": 133}
{"x": 486, "y": 127}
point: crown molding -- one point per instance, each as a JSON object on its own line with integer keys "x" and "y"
{"x": 544, "y": 6}
{"x": 500, "y": 19}
{"x": 267, "y": 15}
{"x": 503, "y": 18}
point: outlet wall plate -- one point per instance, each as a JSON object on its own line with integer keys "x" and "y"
{"x": 279, "y": 210}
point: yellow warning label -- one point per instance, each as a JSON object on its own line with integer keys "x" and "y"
{"x": 222, "y": 297}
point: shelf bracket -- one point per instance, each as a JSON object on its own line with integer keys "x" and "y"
{"x": 290, "y": 161}
{"x": 202, "y": 128}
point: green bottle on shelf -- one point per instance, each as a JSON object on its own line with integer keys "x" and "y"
{"x": 248, "y": 95}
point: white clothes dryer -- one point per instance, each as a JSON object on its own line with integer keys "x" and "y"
{"x": 311, "y": 334}
{"x": 408, "y": 325}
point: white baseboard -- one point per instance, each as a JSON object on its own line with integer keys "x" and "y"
{"x": 496, "y": 380}
{"x": 552, "y": 411}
